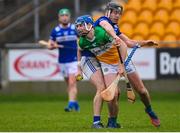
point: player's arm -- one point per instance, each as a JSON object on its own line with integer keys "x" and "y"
{"x": 122, "y": 50}
{"x": 78, "y": 52}
{"x": 109, "y": 29}
{"x": 51, "y": 44}
{"x": 131, "y": 43}
{"x": 79, "y": 73}
{"x": 79, "y": 61}
{"x": 78, "y": 55}
{"x": 122, "y": 47}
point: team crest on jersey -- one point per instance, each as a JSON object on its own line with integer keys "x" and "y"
{"x": 106, "y": 69}
{"x": 94, "y": 44}
{"x": 65, "y": 33}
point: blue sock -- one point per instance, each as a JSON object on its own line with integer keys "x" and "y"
{"x": 112, "y": 120}
{"x": 73, "y": 104}
{"x": 70, "y": 104}
{"x": 148, "y": 108}
{"x": 76, "y": 106}
{"x": 96, "y": 119}
{"x": 151, "y": 112}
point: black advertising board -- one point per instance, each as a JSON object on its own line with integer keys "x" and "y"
{"x": 168, "y": 63}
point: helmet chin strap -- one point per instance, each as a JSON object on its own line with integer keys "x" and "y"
{"x": 88, "y": 29}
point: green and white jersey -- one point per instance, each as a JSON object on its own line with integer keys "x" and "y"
{"x": 101, "y": 37}
{"x": 101, "y": 46}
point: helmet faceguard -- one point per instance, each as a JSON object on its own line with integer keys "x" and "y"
{"x": 84, "y": 21}
{"x": 113, "y": 6}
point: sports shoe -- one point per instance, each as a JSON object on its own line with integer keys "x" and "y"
{"x": 154, "y": 119}
{"x": 113, "y": 125}
{"x": 67, "y": 109}
{"x": 97, "y": 125}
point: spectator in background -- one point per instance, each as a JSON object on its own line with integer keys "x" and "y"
{"x": 65, "y": 34}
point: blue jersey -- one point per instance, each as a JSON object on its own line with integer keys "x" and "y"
{"x": 68, "y": 38}
{"x": 87, "y": 53}
{"x": 116, "y": 28}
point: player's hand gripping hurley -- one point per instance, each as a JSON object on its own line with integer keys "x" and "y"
{"x": 48, "y": 45}
{"x": 108, "y": 94}
{"x": 53, "y": 45}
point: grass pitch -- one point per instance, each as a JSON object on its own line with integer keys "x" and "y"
{"x": 45, "y": 113}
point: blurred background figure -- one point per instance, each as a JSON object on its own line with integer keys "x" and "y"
{"x": 65, "y": 34}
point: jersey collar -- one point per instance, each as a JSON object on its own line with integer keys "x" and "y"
{"x": 91, "y": 40}
{"x": 60, "y": 25}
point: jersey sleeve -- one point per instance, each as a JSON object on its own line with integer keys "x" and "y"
{"x": 53, "y": 35}
{"x": 73, "y": 27}
{"x": 103, "y": 18}
{"x": 118, "y": 32}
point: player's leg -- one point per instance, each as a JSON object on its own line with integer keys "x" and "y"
{"x": 110, "y": 74}
{"x": 98, "y": 81}
{"x": 140, "y": 88}
{"x": 91, "y": 68}
{"x": 138, "y": 85}
{"x": 113, "y": 106}
{"x": 71, "y": 70}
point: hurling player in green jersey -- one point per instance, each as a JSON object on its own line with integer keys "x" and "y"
{"x": 103, "y": 46}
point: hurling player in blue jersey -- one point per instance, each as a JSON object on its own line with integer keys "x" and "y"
{"x": 109, "y": 21}
{"x": 65, "y": 34}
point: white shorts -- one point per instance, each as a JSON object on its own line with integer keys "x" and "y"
{"x": 113, "y": 68}
{"x": 89, "y": 65}
{"x": 109, "y": 68}
{"x": 68, "y": 68}
{"x": 130, "y": 68}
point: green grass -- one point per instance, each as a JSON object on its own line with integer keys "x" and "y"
{"x": 45, "y": 113}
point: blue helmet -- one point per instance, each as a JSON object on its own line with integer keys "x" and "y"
{"x": 84, "y": 20}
